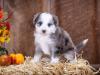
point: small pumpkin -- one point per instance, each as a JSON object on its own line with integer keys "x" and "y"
{"x": 5, "y": 60}
{"x": 19, "y": 58}
{"x": 13, "y": 58}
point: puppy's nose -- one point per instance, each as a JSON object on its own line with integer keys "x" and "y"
{"x": 43, "y": 31}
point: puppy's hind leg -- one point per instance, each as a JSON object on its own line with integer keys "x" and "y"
{"x": 37, "y": 55}
{"x": 70, "y": 56}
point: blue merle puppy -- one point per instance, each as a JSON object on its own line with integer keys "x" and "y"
{"x": 51, "y": 39}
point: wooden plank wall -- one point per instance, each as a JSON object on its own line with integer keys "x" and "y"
{"x": 79, "y": 17}
{"x": 98, "y": 28}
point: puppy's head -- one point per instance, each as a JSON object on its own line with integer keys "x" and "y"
{"x": 45, "y": 23}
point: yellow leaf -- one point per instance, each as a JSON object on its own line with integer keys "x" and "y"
{"x": 2, "y": 39}
{"x": 7, "y": 40}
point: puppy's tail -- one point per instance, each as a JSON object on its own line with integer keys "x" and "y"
{"x": 81, "y": 45}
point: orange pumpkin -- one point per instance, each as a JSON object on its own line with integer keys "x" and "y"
{"x": 5, "y": 60}
{"x": 13, "y": 58}
{"x": 19, "y": 58}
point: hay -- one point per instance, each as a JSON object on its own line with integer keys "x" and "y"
{"x": 82, "y": 67}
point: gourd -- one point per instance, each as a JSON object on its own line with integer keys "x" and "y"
{"x": 17, "y": 58}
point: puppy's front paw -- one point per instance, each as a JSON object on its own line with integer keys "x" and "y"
{"x": 34, "y": 60}
{"x": 47, "y": 52}
{"x": 54, "y": 60}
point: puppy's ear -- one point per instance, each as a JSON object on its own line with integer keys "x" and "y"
{"x": 55, "y": 19}
{"x": 36, "y": 17}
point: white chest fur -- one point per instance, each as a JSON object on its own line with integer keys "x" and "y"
{"x": 43, "y": 39}
{"x": 44, "y": 42}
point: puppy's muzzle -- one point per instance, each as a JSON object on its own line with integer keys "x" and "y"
{"x": 43, "y": 31}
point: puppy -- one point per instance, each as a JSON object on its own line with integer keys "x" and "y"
{"x": 50, "y": 39}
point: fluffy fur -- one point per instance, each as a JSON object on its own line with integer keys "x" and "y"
{"x": 50, "y": 39}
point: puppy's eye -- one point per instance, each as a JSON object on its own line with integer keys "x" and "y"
{"x": 49, "y": 24}
{"x": 39, "y": 23}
